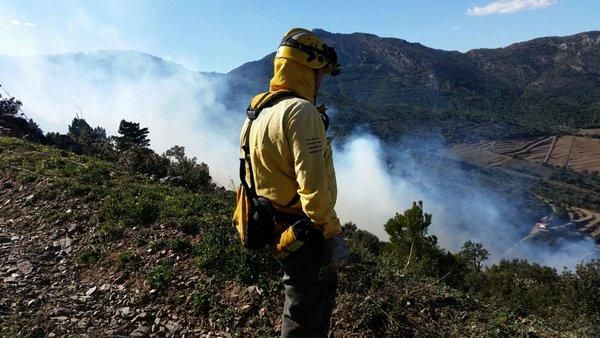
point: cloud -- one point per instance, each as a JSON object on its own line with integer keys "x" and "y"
{"x": 509, "y": 6}
{"x": 14, "y": 23}
{"x": 82, "y": 31}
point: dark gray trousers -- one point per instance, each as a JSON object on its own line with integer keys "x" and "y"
{"x": 309, "y": 292}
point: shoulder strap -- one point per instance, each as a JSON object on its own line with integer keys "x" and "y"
{"x": 245, "y": 157}
{"x": 266, "y": 100}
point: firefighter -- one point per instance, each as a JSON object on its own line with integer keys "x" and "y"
{"x": 292, "y": 167}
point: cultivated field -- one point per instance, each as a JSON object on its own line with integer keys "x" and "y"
{"x": 586, "y": 221}
{"x": 579, "y": 153}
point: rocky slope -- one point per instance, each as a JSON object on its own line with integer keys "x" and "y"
{"x": 87, "y": 249}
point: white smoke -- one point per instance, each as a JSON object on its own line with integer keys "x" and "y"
{"x": 367, "y": 194}
{"x": 375, "y": 181}
{"x": 179, "y": 106}
{"x": 183, "y": 107}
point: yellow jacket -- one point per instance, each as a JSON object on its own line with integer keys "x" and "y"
{"x": 290, "y": 154}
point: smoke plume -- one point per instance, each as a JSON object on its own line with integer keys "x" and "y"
{"x": 377, "y": 180}
{"x": 187, "y": 108}
{"x": 179, "y": 106}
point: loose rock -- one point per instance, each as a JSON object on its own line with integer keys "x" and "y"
{"x": 91, "y": 291}
{"x": 142, "y": 331}
{"x": 125, "y": 311}
{"x": 25, "y": 267}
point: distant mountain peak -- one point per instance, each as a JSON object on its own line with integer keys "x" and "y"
{"x": 537, "y": 84}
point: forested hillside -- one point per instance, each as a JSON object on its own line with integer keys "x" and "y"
{"x": 395, "y": 87}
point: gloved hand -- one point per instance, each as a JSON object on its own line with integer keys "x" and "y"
{"x": 338, "y": 251}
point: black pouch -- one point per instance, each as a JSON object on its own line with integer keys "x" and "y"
{"x": 260, "y": 224}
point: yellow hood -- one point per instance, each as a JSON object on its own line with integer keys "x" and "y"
{"x": 290, "y": 75}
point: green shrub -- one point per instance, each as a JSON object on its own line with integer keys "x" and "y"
{"x": 191, "y": 224}
{"x": 88, "y": 256}
{"x": 111, "y": 229}
{"x": 524, "y": 287}
{"x": 220, "y": 254}
{"x": 142, "y": 160}
{"x": 27, "y": 177}
{"x": 193, "y": 176}
{"x": 160, "y": 276}
{"x": 203, "y": 300}
{"x": 127, "y": 258}
{"x": 70, "y": 188}
{"x": 135, "y": 206}
{"x": 95, "y": 173}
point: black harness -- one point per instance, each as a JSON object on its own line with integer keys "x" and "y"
{"x": 245, "y": 159}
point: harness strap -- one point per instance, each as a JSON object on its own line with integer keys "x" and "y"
{"x": 293, "y": 201}
{"x": 266, "y": 100}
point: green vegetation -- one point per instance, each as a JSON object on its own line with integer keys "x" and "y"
{"x": 396, "y": 88}
{"x": 11, "y": 123}
{"x": 88, "y": 256}
{"x": 580, "y": 190}
{"x": 568, "y": 300}
{"x": 160, "y": 276}
{"x": 127, "y": 258}
{"x": 177, "y": 245}
{"x": 203, "y": 301}
{"x": 132, "y": 136}
{"x": 395, "y": 286}
{"x": 407, "y": 286}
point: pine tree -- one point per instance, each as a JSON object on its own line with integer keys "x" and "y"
{"x": 9, "y": 107}
{"x": 473, "y": 254}
{"x": 79, "y": 127}
{"x": 132, "y": 136}
{"x": 410, "y": 230}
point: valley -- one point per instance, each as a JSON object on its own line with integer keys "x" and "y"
{"x": 564, "y": 170}
{"x": 502, "y": 146}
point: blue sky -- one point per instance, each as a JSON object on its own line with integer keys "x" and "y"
{"x": 221, "y": 35}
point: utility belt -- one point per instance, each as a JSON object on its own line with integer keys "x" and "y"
{"x": 292, "y": 231}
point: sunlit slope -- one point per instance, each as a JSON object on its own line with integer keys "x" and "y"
{"x": 88, "y": 249}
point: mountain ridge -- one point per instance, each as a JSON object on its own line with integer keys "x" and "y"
{"x": 393, "y": 79}
{"x": 547, "y": 85}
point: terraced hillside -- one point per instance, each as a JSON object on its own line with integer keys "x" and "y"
{"x": 586, "y": 221}
{"x": 565, "y": 168}
{"x": 578, "y": 153}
